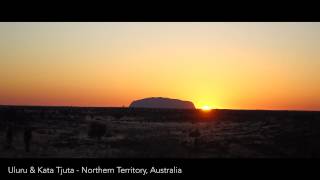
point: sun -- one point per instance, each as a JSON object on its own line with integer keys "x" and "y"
{"x": 206, "y": 108}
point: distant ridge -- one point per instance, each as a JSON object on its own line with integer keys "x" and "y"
{"x": 161, "y": 102}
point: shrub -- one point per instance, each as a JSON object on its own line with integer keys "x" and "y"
{"x": 97, "y": 130}
{"x": 195, "y": 133}
{"x": 118, "y": 115}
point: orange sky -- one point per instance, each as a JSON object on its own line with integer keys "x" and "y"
{"x": 222, "y": 65}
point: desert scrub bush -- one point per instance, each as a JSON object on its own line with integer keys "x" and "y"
{"x": 96, "y": 130}
{"x": 195, "y": 134}
{"x": 118, "y": 116}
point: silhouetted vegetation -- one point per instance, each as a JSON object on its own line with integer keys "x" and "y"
{"x": 126, "y": 132}
{"x": 97, "y": 130}
{"x": 9, "y": 137}
{"x": 27, "y": 138}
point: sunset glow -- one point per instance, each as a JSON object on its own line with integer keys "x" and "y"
{"x": 220, "y": 65}
{"x": 206, "y": 108}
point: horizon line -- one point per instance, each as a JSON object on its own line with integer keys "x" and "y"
{"x": 236, "y": 109}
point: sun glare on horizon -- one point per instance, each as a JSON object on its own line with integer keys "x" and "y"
{"x": 206, "y": 108}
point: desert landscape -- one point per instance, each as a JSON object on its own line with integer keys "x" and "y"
{"x": 160, "y": 90}
{"x": 87, "y": 132}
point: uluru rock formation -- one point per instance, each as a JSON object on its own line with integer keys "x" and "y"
{"x": 160, "y": 102}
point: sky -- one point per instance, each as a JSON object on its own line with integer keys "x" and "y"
{"x": 222, "y": 65}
